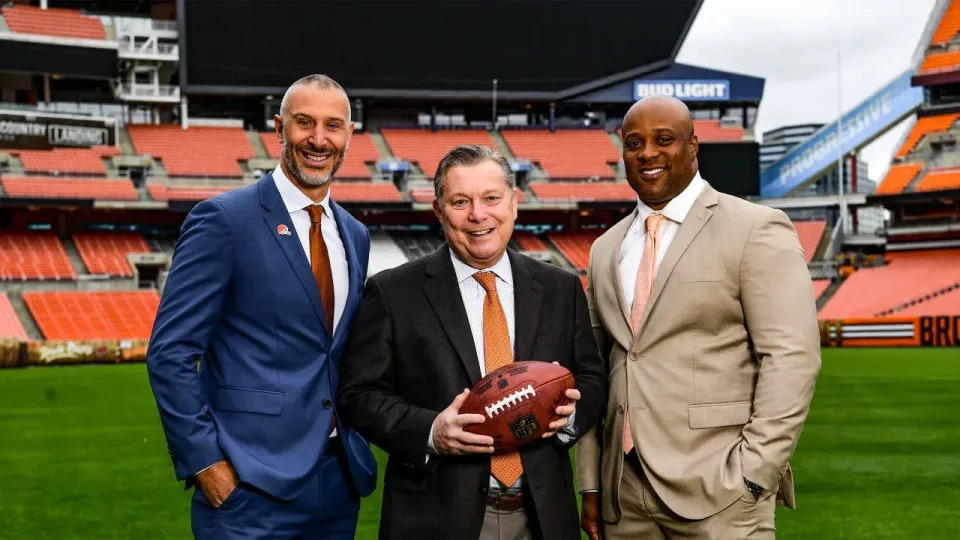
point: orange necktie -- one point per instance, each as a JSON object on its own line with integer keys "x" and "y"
{"x": 497, "y": 353}
{"x": 320, "y": 264}
{"x": 641, "y": 294}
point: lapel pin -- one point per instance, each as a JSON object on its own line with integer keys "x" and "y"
{"x": 283, "y": 230}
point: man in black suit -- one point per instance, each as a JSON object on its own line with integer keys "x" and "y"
{"x": 430, "y": 329}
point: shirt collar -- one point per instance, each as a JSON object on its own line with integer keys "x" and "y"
{"x": 464, "y": 271}
{"x": 677, "y": 209}
{"x": 293, "y": 198}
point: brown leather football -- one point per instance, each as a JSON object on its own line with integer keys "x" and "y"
{"x": 518, "y": 401}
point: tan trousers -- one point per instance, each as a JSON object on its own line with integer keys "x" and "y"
{"x": 503, "y": 525}
{"x": 646, "y": 517}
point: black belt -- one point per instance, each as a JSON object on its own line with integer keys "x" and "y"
{"x": 506, "y": 501}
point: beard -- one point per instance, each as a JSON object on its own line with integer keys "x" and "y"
{"x": 305, "y": 175}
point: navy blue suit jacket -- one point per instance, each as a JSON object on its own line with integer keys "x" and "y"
{"x": 241, "y": 299}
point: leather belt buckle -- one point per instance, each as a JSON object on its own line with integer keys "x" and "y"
{"x": 506, "y": 502}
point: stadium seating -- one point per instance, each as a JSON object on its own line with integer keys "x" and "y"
{"x": 106, "y": 253}
{"x": 938, "y": 180}
{"x": 572, "y": 153}
{"x": 52, "y": 22}
{"x": 69, "y": 188}
{"x": 365, "y": 192}
{"x": 923, "y": 126}
{"x": 160, "y": 192}
{"x": 361, "y": 152}
{"x": 66, "y": 160}
{"x": 33, "y": 255}
{"x": 198, "y": 151}
{"x": 944, "y": 304}
{"x": 908, "y": 276}
{"x": 810, "y": 233}
{"x": 529, "y": 241}
{"x": 427, "y": 148}
{"x": 9, "y": 322}
{"x": 583, "y": 191}
{"x": 939, "y": 62}
{"x": 575, "y": 246}
{"x": 898, "y": 178}
{"x": 712, "y": 131}
{"x": 77, "y": 315}
{"x": 949, "y": 25}
{"x": 819, "y": 286}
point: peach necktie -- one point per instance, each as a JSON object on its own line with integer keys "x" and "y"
{"x": 641, "y": 294}
{"x": 497, "y": 353}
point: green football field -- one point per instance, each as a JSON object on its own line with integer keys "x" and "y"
{"x": 82, "y": 454}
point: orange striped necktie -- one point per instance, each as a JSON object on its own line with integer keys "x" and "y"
{"x": 497, "y": 353}
{"x": 641, "y": 295}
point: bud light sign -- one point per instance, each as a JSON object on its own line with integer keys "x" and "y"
{"x": 683, "y": 89}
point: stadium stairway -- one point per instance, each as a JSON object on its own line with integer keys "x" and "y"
{"x": 74, "y": 255}
{"x": 502, "y": 145}
{"x": 920, "y": 300}
{"x": 380, "y": 144}
{"x": 4, "y": 27}
{"x": 259, "y": 150}
{"x": 23, "y": 313}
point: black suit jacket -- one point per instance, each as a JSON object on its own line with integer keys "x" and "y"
{"x": 411, "y": 352}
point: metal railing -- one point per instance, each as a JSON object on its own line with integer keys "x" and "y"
{"x": 171, "y": 50}
{"x": 125, "y": 90}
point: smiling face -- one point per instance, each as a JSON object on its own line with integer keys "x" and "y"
{"x": 477, "y": 210}
{"x": 315, "y": 132}
{"x": 659, "y": 149}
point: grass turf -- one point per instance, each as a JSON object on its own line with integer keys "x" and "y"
{"x": 82, "y": 454}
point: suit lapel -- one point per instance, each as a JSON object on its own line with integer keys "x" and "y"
{"x": 692, "y": 225}
{"x": 443, "y": 293}
{"x": 620, "y": 328}
{"x": 527, "y": 299}
{"x": 353, "y": 268}
{"x": 276, "y": 216}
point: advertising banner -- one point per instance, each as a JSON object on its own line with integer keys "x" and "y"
{"x": 38, "y": 131}
{"x": 925, "y": 331}
{"x": 683, "y": 89}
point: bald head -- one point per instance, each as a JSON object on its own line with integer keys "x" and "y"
{"x": 659, "y": 149}
{"x": 662, "y": 105}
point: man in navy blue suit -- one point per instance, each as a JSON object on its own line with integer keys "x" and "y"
{"x": 249, "y": 337}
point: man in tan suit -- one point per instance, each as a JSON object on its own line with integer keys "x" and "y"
{"x": 703, "y": 305}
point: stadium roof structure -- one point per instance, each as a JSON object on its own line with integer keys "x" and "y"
{"x": 536, "y": 50}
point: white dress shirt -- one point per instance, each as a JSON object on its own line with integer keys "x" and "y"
{"x": 296, "y": 203}
{"x": 631, "y": 251}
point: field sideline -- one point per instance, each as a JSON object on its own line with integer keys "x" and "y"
{"x": 82, "y": 455}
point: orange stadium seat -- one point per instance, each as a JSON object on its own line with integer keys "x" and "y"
{"x": 939, "y": 180}
{"x": 33, "y": 255}
{"x": 361, "y": 152}
{"x": 944, "y": 304}
{"x": 575, "y": 246}
{"x": 529, "y": 241}
{"x": 66, "y": 160}
{"x": 810, "y": 233}
{"x": 10, "y": 326}
{"x": 583, "y": 191}
{"x": 69, "y": 188}
{"x": 712, "y": 131}
{"x": 160, "y": 192}
{"x": 819, "y": 286}
{"x": 93, "y": 315}
{"x": 365, "y": 192}
{"x": 898, "y": 178}
{"x": 949, "y": 25}
{"x": 106, "y": 253}
{"x": 939, "y": 62}
{"x": 427, "y": 148}
{"x": 925, "y": 125}
{"x": 575, "y": 153}
{"x": 909, "y": 275}
{"x": 198, "y": 151}
{"x": 53, "y": 22}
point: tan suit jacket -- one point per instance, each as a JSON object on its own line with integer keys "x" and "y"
{"x": 721, "y": 374}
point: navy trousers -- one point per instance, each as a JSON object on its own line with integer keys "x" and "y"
{"x": 326, "y": 509}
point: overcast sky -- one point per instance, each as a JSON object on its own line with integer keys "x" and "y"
{"x": 794, "y": 44}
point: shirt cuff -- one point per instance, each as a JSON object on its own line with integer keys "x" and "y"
{"x": 568, "y": 433}
{"x": 431, "y": 449}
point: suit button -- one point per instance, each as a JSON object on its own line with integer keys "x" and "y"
{"x": 634, "y": 356}
{"x": 327, "y": 404}
{"x": 620, "y": 409}
{"x": 483, "y": 490}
